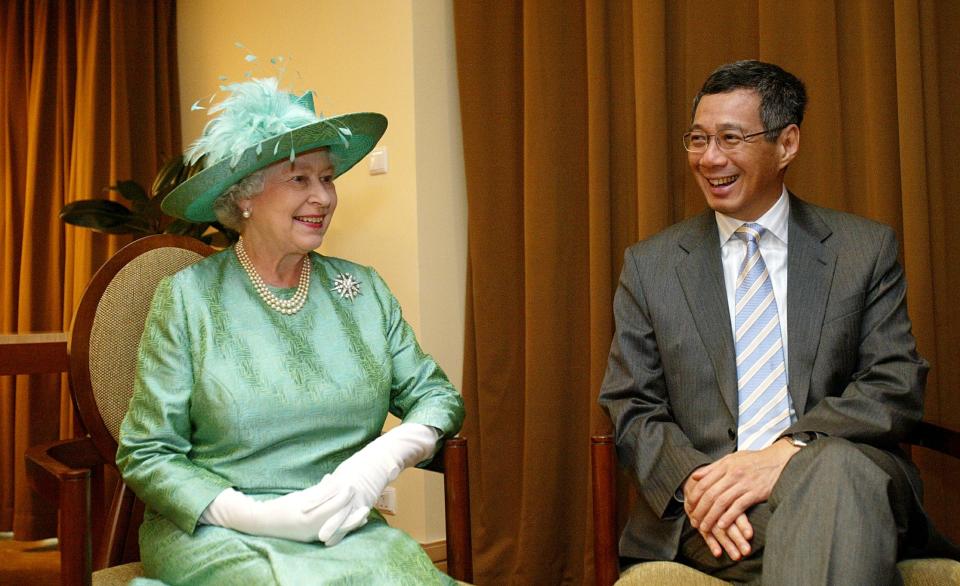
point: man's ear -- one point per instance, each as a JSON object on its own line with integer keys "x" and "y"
{"x": 788, "y": 145}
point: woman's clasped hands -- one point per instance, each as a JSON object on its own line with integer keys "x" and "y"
{"x": 340, "y": 503}
{"x": 296, "y": 516}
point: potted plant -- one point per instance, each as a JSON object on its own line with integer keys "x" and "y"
{"x": 144, "y": 216}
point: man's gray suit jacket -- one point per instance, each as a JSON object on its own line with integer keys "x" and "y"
{"x": 671, "y": 383}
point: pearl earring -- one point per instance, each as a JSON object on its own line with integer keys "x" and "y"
{"x": 246, "y": 214}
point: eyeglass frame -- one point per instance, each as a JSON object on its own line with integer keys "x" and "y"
{"x": 743, "y": 138}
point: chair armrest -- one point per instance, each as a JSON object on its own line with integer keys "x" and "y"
{"x": 51, "y": 464}
{"x": 605, "y": 549}
{"x": 934, "y": 437}
{"x": 61, "y": 471}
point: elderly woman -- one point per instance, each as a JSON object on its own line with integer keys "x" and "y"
{"x": 266, "y": 372}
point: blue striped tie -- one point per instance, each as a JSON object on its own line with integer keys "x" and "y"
{"x": 761, "y": 373}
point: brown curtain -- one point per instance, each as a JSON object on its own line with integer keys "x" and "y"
{"x": 89, "y": 96}
{"x": 572, "y": 116}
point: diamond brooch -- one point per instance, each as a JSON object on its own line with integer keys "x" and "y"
{"x": 347, "y": 286}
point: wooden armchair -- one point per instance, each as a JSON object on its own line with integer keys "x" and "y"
{"x": 607, "y": 528}
{"x": 99, "y": 543}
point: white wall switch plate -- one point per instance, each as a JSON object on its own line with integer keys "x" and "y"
{"x": 387, "y": 501}
{"x": 378, "y": 161}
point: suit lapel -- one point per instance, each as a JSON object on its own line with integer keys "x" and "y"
{"x": 810, "y": 269}
{"x": 701, "y": 277}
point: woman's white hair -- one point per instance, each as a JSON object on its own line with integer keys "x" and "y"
{"x": 227, "y": 206}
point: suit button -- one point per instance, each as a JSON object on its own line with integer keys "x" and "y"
{"x": 731, "y": 433}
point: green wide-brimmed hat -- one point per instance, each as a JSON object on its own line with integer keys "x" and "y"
{"x": 259, "y": 125}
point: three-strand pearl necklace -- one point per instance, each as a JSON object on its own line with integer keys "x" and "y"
{"x": 284, "y": 306}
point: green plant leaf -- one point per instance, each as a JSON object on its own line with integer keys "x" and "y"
{"x": 185, "y": 228}
{"x": 168, "y": 177}
{"x": 189, "y": 171}
{"x": 144, "y": 215}
{"x": 101, "y": 215}
{"x": 130, "y": 190}
{"x": 224, "y": 236}
{"x": 150, "y": 214}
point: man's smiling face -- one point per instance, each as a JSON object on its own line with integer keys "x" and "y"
{"x": 744, "y": 182}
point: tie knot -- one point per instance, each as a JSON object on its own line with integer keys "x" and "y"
{"x": 750, "y": 232}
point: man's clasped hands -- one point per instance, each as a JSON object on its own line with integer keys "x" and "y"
{"x": 717, "y": 496}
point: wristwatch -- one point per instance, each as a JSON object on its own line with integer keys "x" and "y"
{"x": 802, "y": 438}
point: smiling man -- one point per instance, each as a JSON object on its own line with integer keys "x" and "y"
{"x": 763, "y": 369}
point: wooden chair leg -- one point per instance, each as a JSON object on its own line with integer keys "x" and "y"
{"x": 76, "y": 549}
{"x": 457, "y": 499}
{"x": 605, "y": 559}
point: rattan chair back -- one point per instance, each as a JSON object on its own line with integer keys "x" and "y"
{"x": 107, "y": 327}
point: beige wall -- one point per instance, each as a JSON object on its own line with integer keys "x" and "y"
{"x": 389, "y": 56}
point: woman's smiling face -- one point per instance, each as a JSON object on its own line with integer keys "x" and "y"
{"x": 293, "y": 212}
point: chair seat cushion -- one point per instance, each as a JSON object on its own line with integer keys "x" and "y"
{"x": 922, "y": 572}
{"x": 666, "y": 573}
{"x": 118, "y": 575}
{"x": 929, "y": 572}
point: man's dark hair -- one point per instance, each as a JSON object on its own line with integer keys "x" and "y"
{"x": 783, "y": 97}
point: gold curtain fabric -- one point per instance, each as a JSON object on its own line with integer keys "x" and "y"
{"x": 572, "y": 116}
{"x": 89, "y": 96}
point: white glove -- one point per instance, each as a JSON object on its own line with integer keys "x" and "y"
{"x": 366, "y": 473}
{"x": 297, "y": 516}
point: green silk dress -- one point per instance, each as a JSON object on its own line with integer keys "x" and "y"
{"x": 230, "y": 393}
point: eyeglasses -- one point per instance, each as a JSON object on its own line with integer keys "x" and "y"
{"x": 697, "y": 141}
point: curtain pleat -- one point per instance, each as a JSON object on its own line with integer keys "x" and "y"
{"x": 572, "y": 114}
{"x": 89, "y": 97}
{"x": 13, "y": 148}
{"x": 494, "y": 58}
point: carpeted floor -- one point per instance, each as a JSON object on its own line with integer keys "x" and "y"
{"x": 37, "y": 563}
{"x": 32, "y": 563}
